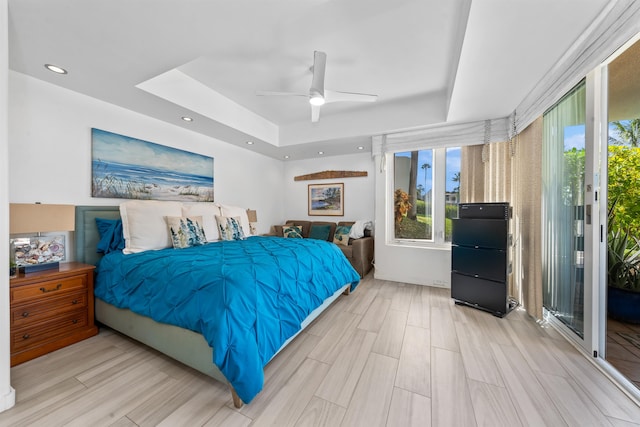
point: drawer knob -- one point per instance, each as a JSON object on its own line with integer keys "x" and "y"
{"x": 75, "y": 301}
{"x": 74, "y": 321}
{"x": 25, "y": 314}
{"x": 45, "y": 290}
{"x": 26, "y": 337}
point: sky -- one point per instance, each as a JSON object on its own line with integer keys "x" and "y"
{"x": 574, "y": 135}
{"x": 108, "y": 146}
{"x": 453, "y": 166}
{"x": 426, "y": 156}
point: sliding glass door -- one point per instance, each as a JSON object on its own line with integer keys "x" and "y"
{"x": 591, "y": 215}
{"x": 622, "y": 283}
{"x": 564, "y": 210}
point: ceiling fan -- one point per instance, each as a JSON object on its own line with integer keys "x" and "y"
{"x": 318, "y": 95}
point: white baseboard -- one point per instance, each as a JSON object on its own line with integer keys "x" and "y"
{"x": 8, "y": 400}
{"x": 403, "y": 278}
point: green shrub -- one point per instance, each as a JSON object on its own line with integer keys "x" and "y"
{"x": 413, "y": 229}
{"x": 623, "y": 267}
{"x": 448, "y": 226}
{"x": 624, "y": 187}
{"x": 451, "y": 211}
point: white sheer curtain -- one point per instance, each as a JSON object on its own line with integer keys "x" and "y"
{"x": 563, "y": 209}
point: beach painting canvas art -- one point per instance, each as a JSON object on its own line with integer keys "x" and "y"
{"x": 130, "y": 168}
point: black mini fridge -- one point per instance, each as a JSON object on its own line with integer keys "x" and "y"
{"x": 480, "y": 257}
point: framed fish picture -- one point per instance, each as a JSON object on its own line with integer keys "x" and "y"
{"x": 123, "y": 167}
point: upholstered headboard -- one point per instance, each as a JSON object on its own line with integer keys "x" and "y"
{"x": 87, "y": 236}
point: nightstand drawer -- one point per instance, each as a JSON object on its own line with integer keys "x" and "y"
{"x": 50, "y": 309}
{"x": 36, "y": 312}
{"x": 49, "y": 288}
{"x": 33, "y": 335}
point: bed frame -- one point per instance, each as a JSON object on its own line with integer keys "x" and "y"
{"x": 183, "y": 345}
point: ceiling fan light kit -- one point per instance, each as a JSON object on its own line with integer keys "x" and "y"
{"x": 316, "y": 99}
{"x": 317, "y": 95}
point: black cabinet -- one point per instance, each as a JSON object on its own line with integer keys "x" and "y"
{"x": 480, "y": 257}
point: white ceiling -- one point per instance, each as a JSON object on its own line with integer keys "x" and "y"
{"x": 429, "y": 61}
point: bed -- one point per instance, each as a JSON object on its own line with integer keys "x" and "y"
{"x": 268, "y": 310}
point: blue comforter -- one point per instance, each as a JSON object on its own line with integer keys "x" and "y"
{"x": 245, "y": 297}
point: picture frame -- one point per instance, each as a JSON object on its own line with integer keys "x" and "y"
{"x": 124, "y": 167}
{"x": 326, "y": 199}
{"x": 29, "y": 251}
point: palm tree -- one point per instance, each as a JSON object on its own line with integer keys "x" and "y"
{"x": 424, "y": 167}
{"x": 456, "y": 178}
{"x": 413, "y": 185}
{"x": 629, "y": 133}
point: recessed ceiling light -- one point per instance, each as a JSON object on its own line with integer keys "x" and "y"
{"x": 55, "y": 69}
{"x": 249, "y": 142}
{"x": 286, "y": 157}
{"x": 360, "y": 147}
{"x": 187, "y": 119}
{"x": 320, "y": 152}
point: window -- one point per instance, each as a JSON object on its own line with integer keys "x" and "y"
{"x": 452, "y": 189}
{"x": 426, "y": 187}
{"x": 413, "y": 194}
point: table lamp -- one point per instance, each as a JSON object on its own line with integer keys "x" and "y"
{"x": 39, "y": 252}
{"x": 253, "y": 221}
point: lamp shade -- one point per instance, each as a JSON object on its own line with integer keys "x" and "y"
{"x": 39, "y": 218}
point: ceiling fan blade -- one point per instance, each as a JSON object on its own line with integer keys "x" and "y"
{"x": 317, "y": 95}
{"x": 334, "y": 96}
{"x": 273, "y": 93}
{"x": 315, "y": 113}
{"x": 319, "y": 65}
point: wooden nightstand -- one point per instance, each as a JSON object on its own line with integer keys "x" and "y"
{"x": 51, "y": 309}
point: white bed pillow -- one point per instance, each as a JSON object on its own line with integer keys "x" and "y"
{"x": 357, "y": 229}
{"x": 236, "y": 211}
{"x": 208, "y": 212}
{"x": 144, "y": 226}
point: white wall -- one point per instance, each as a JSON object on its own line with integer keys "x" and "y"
{"x": 358, "y": 192}
{"x": 405, "y": 263}
{"x": 365, "y": 198}
{"x": 7, "y": 393}
{"x": 50, "y": 151}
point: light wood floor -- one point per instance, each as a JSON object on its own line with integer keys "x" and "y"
{"x": 387, "y": 355}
